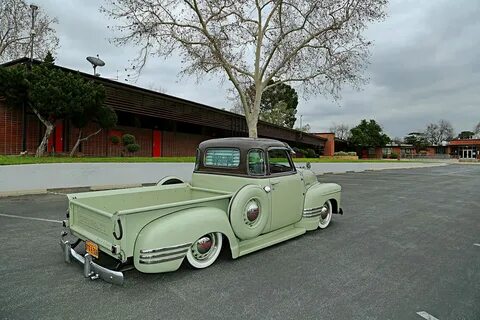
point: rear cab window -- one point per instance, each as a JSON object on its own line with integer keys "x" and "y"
{"x": 222, "y": 158}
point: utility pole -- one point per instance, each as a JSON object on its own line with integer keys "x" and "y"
{"x": 301, "y": 126}
{"x": 34, "y": 8}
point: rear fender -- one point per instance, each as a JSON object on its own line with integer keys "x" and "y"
{"x": 163, "y": 243}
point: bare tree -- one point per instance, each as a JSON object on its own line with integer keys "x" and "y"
{"x": 476, "y": 130}
{"x": 305, "y": 128}
{"x": 342, "y": 131}
{"x": 438, "y": 132}
{"x": 156, "y": 87}
{"x": 317, "y": 43}
{"x": 15, "y": 27}
{"x": 397, "y": 140}
{"x": 237, "y": 108}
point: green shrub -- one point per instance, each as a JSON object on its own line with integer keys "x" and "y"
{"x": 115, "y": 139}
{"x": 311, "y": 153}
{"x": 394, "y": 155}
{"x": 128, "y": 139}
{"x": 299, "y": 152}
{"x": 385, "y": 156}
{"x": 133, "y": 147}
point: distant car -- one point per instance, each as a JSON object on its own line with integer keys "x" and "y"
{"x": 243, "y": 190}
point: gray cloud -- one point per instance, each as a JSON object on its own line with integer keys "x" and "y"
{"x": 424, "y": 66}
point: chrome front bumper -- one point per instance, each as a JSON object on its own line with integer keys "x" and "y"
{"x": 90, "y": 269}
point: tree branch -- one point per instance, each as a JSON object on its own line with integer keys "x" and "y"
{"x": 91, "y": 135}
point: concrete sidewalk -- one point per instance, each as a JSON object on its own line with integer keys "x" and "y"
{"x": 38, "y": 178}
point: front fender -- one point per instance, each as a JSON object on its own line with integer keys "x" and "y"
{"x": 162, "y": 244}
{"x": 319, "y": 193}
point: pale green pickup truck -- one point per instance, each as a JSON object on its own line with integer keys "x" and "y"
{"x": 245, "y": 195}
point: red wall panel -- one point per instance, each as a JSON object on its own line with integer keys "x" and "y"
{"x": 157, "y": 143}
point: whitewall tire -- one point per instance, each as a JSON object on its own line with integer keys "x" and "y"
{"x": 325, "y": 218}
{"x": 205, "y": 250}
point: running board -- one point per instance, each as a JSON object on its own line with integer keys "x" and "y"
{"x": 269, "y": 239}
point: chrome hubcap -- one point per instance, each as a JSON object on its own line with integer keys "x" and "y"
{"x": 252, "y": 212}
{"x": 324, "y": 212}
{"x": 204, "y": 247}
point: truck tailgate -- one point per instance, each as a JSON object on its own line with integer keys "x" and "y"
{"x": 92, "y": 224}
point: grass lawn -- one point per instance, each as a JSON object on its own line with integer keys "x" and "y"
{"x": 7, "y": 160}
{"x": 12, "y": 160}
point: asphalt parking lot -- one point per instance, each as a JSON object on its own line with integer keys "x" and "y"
{"x": 409, "y": 242}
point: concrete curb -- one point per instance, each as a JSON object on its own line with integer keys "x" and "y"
{"x": 135, "y": 185}
{"x": 22, "y": 192}
{"x": 72, "y": 190}
{"x": 382, "y": 169}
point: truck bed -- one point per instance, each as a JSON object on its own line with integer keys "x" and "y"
{"x": 94, "y": 215}
{"x": 132, "y": 200}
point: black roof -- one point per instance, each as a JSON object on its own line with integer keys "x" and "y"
{"x": 243, "y": 143}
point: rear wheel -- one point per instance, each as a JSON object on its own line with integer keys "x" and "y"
{"x": 205, "y": 250}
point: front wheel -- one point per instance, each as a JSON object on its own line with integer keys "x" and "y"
{"x": 326, "y": 215}
{"x": 204, "y": 251}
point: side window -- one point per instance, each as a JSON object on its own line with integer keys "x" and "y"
{"x": 279, "y": 161}
{"x": 222, "y": 157}
{"x": 256, "y": 162}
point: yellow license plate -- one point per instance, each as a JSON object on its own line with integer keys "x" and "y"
{"x": 91, "y": 248}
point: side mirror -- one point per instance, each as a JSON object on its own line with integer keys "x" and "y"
{"x": 308, "y": 165}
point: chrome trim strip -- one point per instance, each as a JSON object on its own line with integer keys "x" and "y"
{"x": 311, "y": 215}
{"x": 312, "y": 209}
{"x": 162, "y": 260}
{"x": 154, "y": 256}
{"x": 180, "y": 246}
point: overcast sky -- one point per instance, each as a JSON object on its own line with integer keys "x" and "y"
{"x": 425, "y": 66}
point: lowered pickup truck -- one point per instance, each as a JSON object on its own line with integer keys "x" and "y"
{"x": 245, "y": 195}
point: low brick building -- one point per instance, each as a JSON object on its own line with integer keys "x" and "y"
{"x": 163, "y": 125}
{"x": 468, "y": 149}
{"x": 329, "y": 149}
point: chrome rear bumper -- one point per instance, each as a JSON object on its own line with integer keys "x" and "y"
{"x": 90, "y": 269}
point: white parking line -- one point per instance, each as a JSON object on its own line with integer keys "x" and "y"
{"x": 426, "y": 315}
{"x": 477, "y": 244}
{"x": 29, "y": 218}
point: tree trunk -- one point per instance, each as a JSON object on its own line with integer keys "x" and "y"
{"x": 49, "y": 128}
{"x": 80, "y": 139}
{"x": 77, "y": 144}
{"x": 252, "y": 113}
{"x": 252, "y": 128}
{"x": 48, "y": 131}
